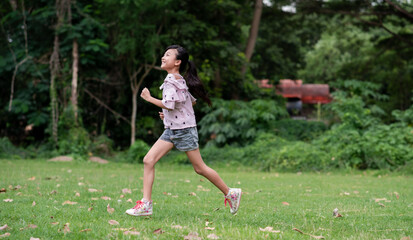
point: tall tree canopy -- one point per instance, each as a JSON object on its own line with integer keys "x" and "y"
{"x": 119, "y": 45}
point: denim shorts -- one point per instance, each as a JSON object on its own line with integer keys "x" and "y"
{"x": 183, "y": 139}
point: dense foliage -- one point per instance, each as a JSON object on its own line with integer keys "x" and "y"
{"x": 238, "y": 121}
{"x": 362, "y": 49}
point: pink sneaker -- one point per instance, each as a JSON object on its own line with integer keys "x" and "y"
{"x": 142, "y": 208}
{"x": 233, "y": 198}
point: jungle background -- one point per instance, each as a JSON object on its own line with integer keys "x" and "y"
{"x": 71, "y": 72}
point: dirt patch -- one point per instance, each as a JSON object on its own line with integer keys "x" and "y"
{"x": 98, "y": 160}
{"x": 61, "y": 159}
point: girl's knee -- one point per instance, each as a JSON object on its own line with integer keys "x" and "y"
{"x": 200, "y": 169}
{"x": 148, "y": 161}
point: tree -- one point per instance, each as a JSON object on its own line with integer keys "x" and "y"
{"x": 27, "y": 56}
{"x": 137, "y": 45}
{"x": 252, "y": 38}
{"x": 75, "y": 69}
{"x": 62, "y": 10}
{"x": 378, "y": 47}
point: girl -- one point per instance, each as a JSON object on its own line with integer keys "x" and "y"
{"x": 180, "y": 128}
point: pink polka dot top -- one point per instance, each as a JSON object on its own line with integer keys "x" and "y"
{"x": 178, "y": 101}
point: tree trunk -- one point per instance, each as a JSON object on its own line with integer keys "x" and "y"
{"x": 133, "y": 117}
{"x": 135, "y": 86}
{"x": 26, "y": 48}
{"x": 75, "y": 65}
{"x": 252, "y": 38}
{"x": 54, "y": 65}
{"x": 54, "y": 72}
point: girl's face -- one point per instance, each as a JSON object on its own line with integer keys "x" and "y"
{"x": 169, "y": 61}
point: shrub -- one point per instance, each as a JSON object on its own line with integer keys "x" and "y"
{"x": 295, "y": 156}
{"x": 343, "y": 142}
{"x": 406, "y": 169}
{"x": 387, "y": 146}
{"x": 176, "y": 157}
{"x": 75, "y": 141}
{"x": 238, "y": 122}
{"x": 136, "y": 152}
{"x": 227, "y": 154}
{"x": 8, "y": 150}
{"x": 300, "y": 130}
{"x": 102, "y": 145}
{"x": 269, "y": 153}
{"x": 378, "y": 147}
{"x": 405, "y": 116}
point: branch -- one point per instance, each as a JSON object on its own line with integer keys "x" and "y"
{"x": 400, "y": 9}
{"x": 132, "y": 78}
{"x": 106, "y": 106}
{"x": 14, "y": 77}
{"x": 385, "y": 28}
{"x": 148, "y": 68}
{"x": 154, "y": 67}
{"x": 16, "y": 67}
{"x": 377, "y": 24}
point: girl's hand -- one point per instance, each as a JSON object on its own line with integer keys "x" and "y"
{"x": 145, "y": 94}
{"x": 161, "y": 115}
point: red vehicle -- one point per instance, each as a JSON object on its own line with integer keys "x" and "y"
{"x": 298, "y": 93}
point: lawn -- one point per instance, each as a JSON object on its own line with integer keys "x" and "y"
{"x": 55, "y": 200}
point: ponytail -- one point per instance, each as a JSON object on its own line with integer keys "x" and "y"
{"x": 195, "y": 85}
{"x": 196, "y": 88}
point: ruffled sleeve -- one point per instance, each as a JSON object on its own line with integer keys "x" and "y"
{"x": 169, "y": 96}
{"x": 173, "y": 91}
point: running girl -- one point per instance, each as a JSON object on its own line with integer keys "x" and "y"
{"x": 180, "y": 128}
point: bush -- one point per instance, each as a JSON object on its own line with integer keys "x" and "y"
{"x": 8, "y": 150}
{"x": 299, "y": 130}
{"x": 102, "y": 146}
{"x": 360, "y": 139}
{"x": 75, "y": 141}
{"x": 405, "y": 116}
{"x": 136, "y": 152}
{"x": 387, "y": 146}
{"x": 295, "y": 156}
{"x": 176, "y": 157}
{"x": 227, "y": 154}
{"x": 378, "y": 147}
{"x": 406, "y": 169}
{"x": 238, "y": 122}
{"x": 270, "y": 152}
{"x": 343, "y": 143}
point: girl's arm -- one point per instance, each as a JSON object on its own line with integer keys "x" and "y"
{"x": 146, "y": 95}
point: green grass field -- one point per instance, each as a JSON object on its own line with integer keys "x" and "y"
{"x": 371, "y": 206}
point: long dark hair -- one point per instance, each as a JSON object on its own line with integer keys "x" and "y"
{"x": 193, "y": 82}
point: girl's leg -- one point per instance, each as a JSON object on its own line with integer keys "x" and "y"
{"x": 158, "y": 150}
{"x": 202, "y": 169}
